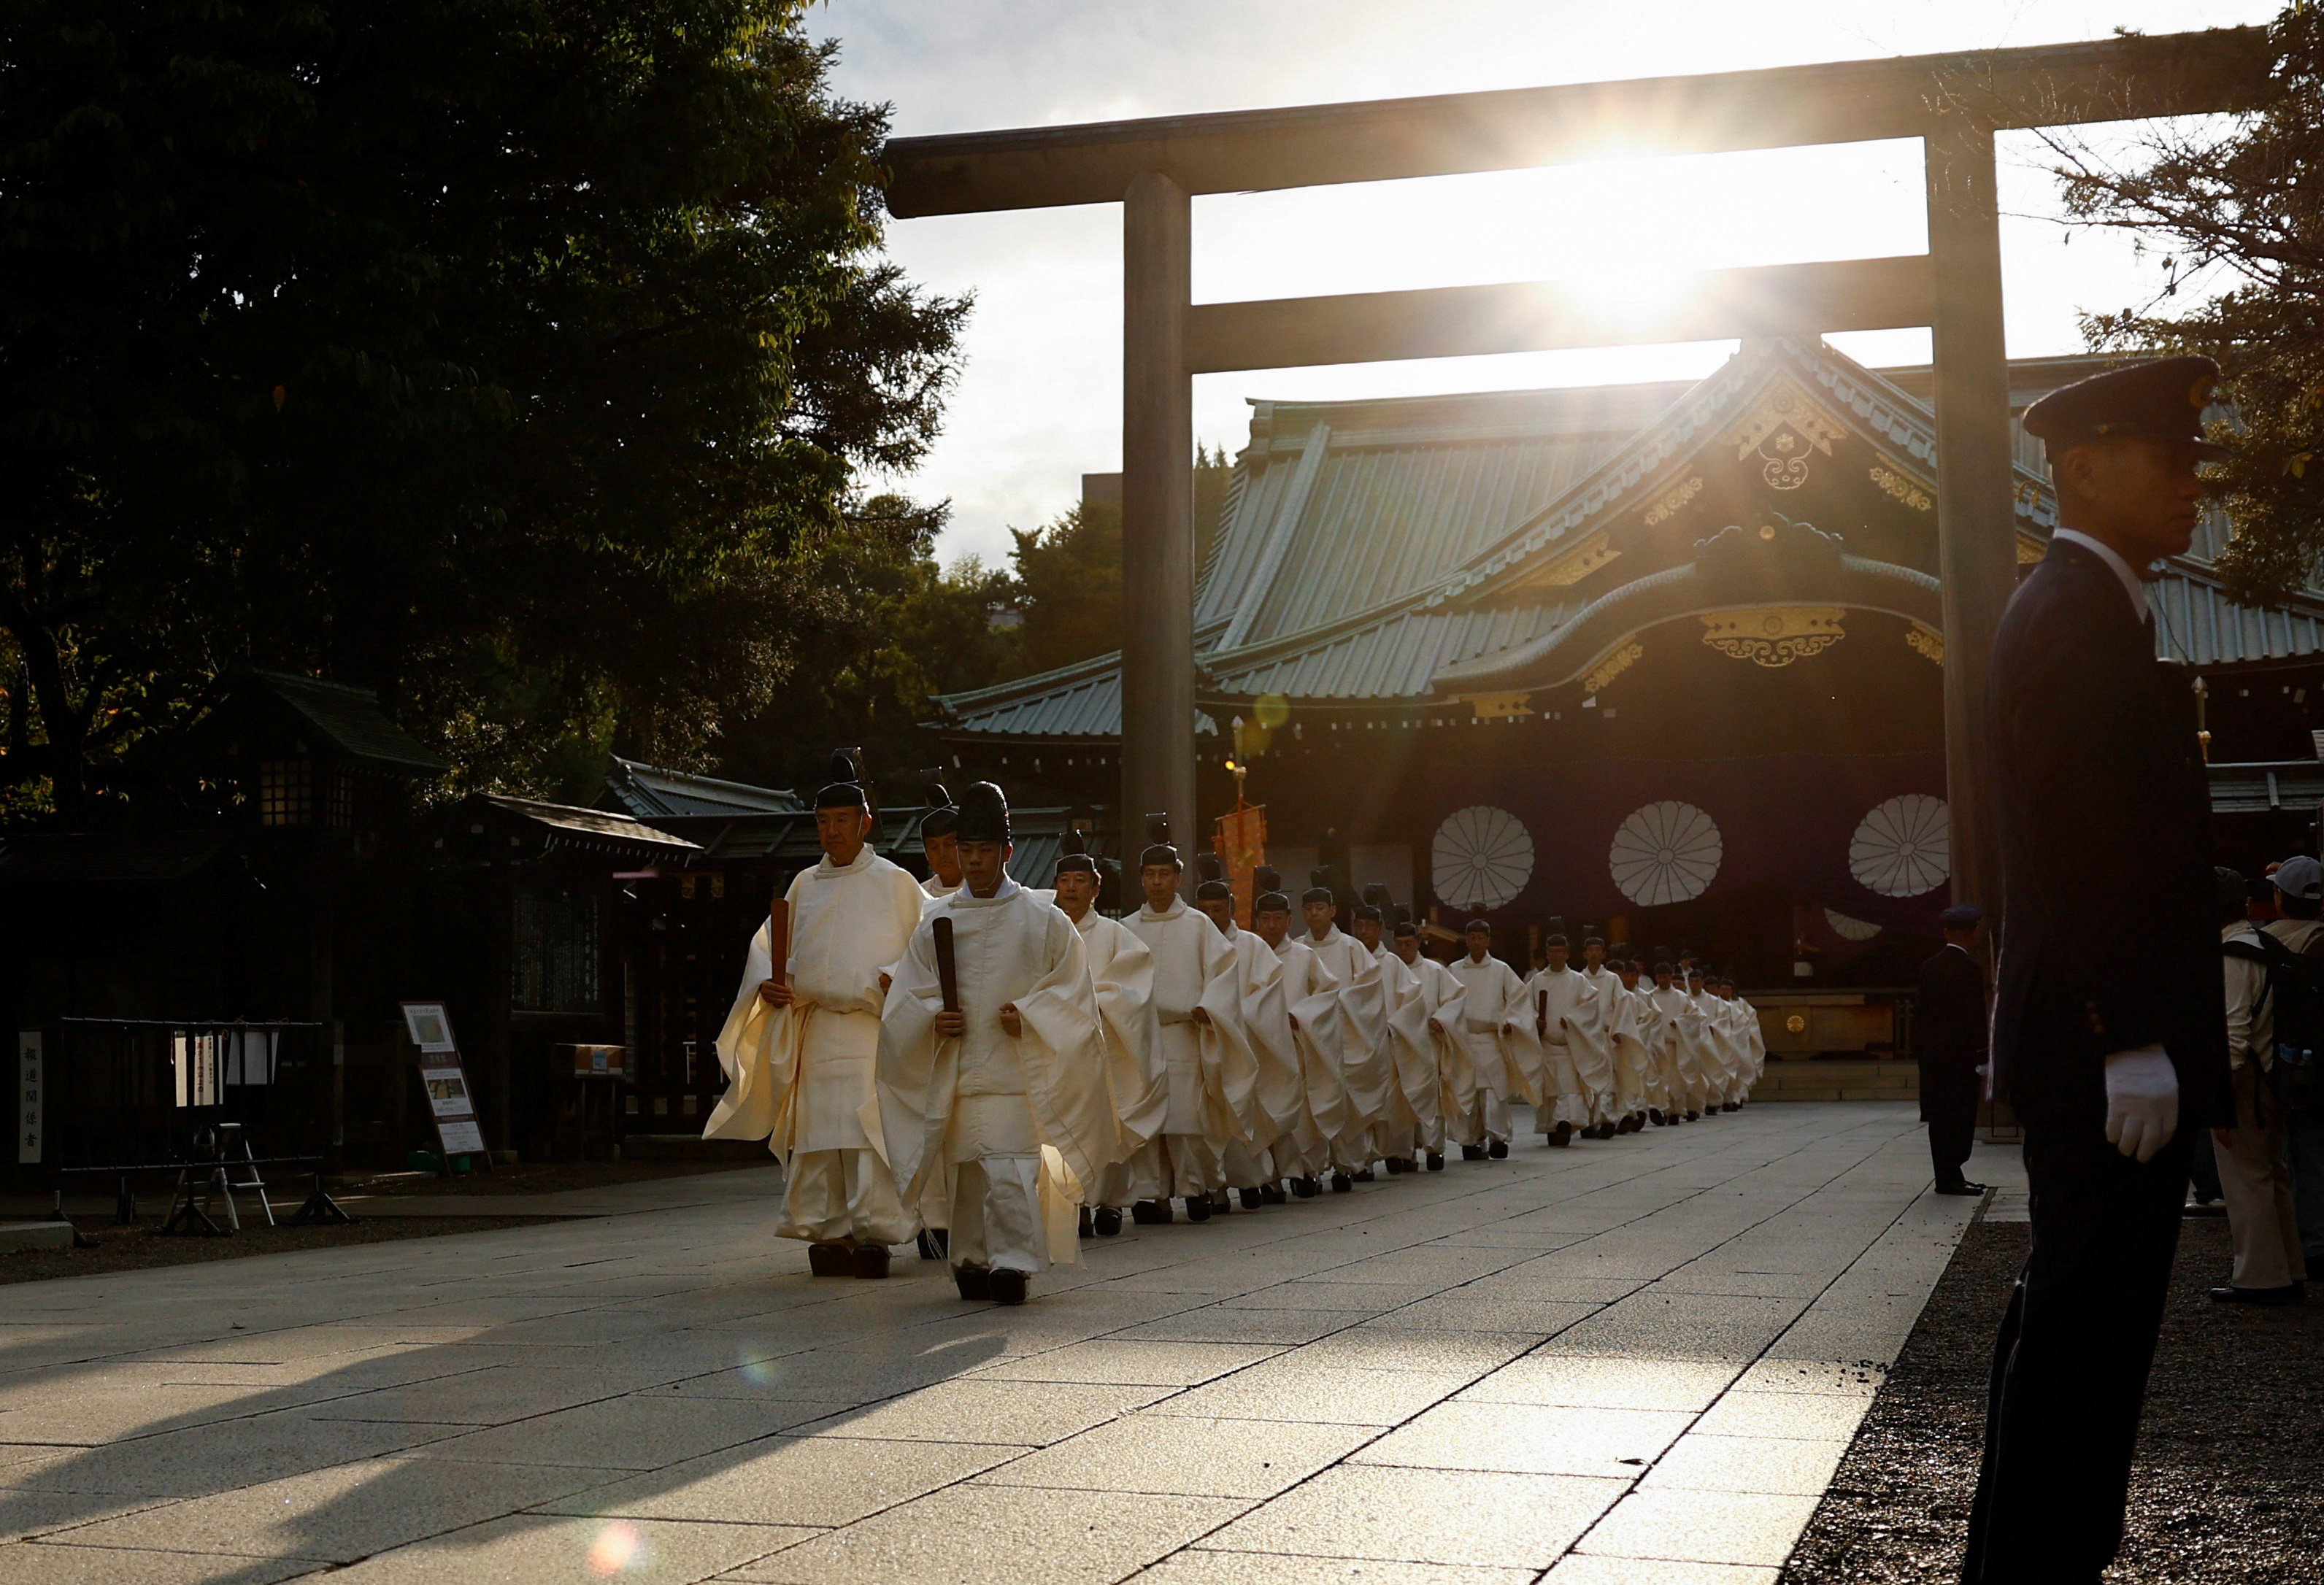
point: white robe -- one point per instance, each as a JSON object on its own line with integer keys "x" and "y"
{"x": 1213, "y": 1077}
{"x": 799, "y": 1077}
{"x": 1015, "y": 1123}
{"x": 1279, "y": 1095}
{"x": 1312, "y": 999}
{"x": 1121, "y": 972}
{"x": 1367, "y": 1064}
{"x": 1456, "y": 1077}
{"x": 1504, "y": 1053}
{"x": 1624, "y": 1040}
{"x": 1419, "y": 1115}
{"x": 1575, "y": 1060}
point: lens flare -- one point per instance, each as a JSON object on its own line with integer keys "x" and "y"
{"x": 618, "y": 1545}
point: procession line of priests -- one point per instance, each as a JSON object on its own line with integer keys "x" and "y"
{"x": 1012, "y": 1066}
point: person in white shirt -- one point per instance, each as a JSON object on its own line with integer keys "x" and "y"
{"x": 1672, "y": 1064}
{"x": 996, "y": 1084}
{"x": 1441, "y": 995}
{"x": 1121, "y": 974}
{"x": 2254, "y": 1177}
{"x": 1317, "y": 1020}
{"x": 798, "y": 1047}
{"x": 1492, "y": 1006}
{"x": 1197, "y": 998}
{"x": 1367, "y": 1065}
{"x": 1626, "y": 1113}
{"x": 1575, "y": 1061}
{"x": 1252, "y": 1169}
{"x": 938, "y": 844}
{"x": 1415, "y": 1105}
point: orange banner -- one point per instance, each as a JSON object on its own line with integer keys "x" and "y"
{"x": 1241, "y": 841}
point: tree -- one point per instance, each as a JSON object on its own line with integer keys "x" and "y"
{"x": 2238, "y": 203}
{"x": 879, "y": 629}
{"x": 1068, "y": 574}
{"x": 504, "y": 355}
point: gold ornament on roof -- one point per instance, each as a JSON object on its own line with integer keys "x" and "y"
{"x": 1903, "y": 488}
{"x": 1673, "y": 501}
{"x": 1925, "y": 640}
{"x": 1572, "y": 564}
{"x": 1618, "y": 660}
{"x": 1783, "y": 431}
{"x": 1501, "y": 706}
{"x": 1773, "y": 636}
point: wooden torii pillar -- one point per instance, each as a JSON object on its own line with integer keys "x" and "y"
{"x": 1953, "y": 103}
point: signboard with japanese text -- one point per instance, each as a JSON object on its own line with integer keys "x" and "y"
{"x": 30, "y": 1099}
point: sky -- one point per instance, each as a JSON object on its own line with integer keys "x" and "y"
{"x": 1038, "y": 401}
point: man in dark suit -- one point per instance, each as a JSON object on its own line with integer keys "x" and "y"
{"x": 2109, "y": 1032}
{"x": 1948, "y": 1039}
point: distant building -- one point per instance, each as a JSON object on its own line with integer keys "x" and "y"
{"x": 1665, "y": 660}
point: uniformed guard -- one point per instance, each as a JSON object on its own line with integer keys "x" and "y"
{"x": 2109, "y": 1035}
{"x": 1949, "y": 1039}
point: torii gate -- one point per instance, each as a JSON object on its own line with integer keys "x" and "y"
{"x": 1953, "y": 103}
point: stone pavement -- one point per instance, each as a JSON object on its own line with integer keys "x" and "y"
{"x": 1634, "y": 1360}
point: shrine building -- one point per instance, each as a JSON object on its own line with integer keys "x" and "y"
{"x": 1663, "y": 661}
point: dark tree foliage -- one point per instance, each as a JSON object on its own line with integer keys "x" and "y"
{"x": 2238, "y": 202}
{"x": 879, "y": 632}
{"x": 506, "y": 355}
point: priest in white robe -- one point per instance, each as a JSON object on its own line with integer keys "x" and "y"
{"x": 938, "y": 843}
{"x": 799, "y": 1046}
{"x": 1614, "y": 981}
{"x": 1414, "y": 1115}
{"x": 1575, "y": 1063}
{"x": 1553, "y": 993}
{"x": 1669, "y": 1064}
{"x": 1440, "y": 995}
{"x": 1319, "y": 1032}
{"x": 1367, "y": 1064}
{"x": 1496, "y": 1030}
{"x": 1002, "y": 1095}
{"x": 1212, "y": 1074}
{"x": 1121, "y": 973}
{"x": 1252, "y": 1170}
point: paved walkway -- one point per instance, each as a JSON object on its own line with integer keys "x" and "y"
{"x": 1638, "y": 1360}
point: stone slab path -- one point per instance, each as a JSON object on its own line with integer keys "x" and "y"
{"x": 1628, "y": 1361}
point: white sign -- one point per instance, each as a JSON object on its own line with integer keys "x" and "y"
{"x": 29, "y": 1096}
{"x": 461, "y": 1137}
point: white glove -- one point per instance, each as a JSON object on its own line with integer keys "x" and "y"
{"x": 2141, "y": 1101}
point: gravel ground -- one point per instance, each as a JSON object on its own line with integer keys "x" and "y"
{"x": 2230, "y": 1458}
{"x": 130, "y": 1248}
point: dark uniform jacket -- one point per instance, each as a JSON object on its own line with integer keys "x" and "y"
{"x": 1948, "y": 1034}
{"x": 2107, "y": 941}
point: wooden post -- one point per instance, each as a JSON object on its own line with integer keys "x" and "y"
{"x": 1977, "y": 541}
{"x": 1158, "y": 509}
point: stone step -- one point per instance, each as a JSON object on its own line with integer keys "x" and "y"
{"x": 1871, "y": 1079}
{"x": 36, "y": 1235}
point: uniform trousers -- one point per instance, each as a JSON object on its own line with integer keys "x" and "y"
{"x": 1950, "y": 1091}
{"x": 992, "y": 1154}
{"x": 1246, "y": 1166}
{"x": 831, "y": 1196}
{"x": 1950, "y": 1139}
{"x": 1487, "y": 1116}
{"x": 2069, "y": 1365}
{"x": 2255, "y": 1181}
